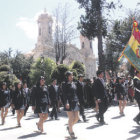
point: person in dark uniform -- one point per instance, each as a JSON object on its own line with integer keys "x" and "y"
{"x": 81, "y": 96}
{"x": 101, "y": 96}
{"x": 12, "y": 91}
{"x": 121, "y": 95}
{"x": 19, "y": 102}
{"x": 136, "y": 82}
{"x": 88, "y": 94}
{"x": 26, "y": 90}
{"x": 71, "y": 102}
{"x": 41, "y": 102}
{"x": 4, "y": 101}
{"x": 54, "y": 97}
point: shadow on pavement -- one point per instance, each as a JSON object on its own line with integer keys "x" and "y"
{"x": 91, "y": 116}
{"x": 117, "y": 117}
{"x": 94, "y": 126}
{"x": 35, "y": 134}
{"x": 10, "y": 128}
{"x": 135, "y": 131}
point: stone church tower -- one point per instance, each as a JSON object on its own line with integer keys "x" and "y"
{"x": 45, "y": 47}
{"x": 87, "y": 51}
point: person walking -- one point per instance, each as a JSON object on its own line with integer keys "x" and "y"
{"x": 54, "y": 97}
{"x": 4, "y": 101}
{"x": 81, "y": 96}
{"x": 19, "y": 102}
{"x": 136, "y": 82}
{"x": 40, "y": 102}
{"x": 26, "y": 90}
{"x": 101, "y": 96}
{"x": 71, "y": 102}
{"x": 121, "y": 95}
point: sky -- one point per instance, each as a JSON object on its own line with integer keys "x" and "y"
{"x": 18, "y": 21}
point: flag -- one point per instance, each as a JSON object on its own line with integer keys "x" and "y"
{"x": 132, "y": 49}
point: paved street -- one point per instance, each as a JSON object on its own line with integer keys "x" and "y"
{"x": 117, "y": 127}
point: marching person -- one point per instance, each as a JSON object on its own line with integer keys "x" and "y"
{"x": 71, "y": 102}
{"x": 101, "y": 96}
{"x": 27, "y": 92}
{"x": 136, "y": 82}
{"x": 81, "y": 96}
{"x": 4, "y": 101}
{"x": 121, "y": 95}
{"x": 54, "y": 97}
{"x": 40, "y": 102}
{"x": 19, "y": 101}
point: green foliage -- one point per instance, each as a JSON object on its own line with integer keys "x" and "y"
{"x": 4, "y": 68}
{"x": 78, "y": 66}
{"x": 94, "y": 22}
{"x": 21, "y": 66}
{"x": 117, "y": 40}
{"x": 7, "y": 76}
{"x": 59, "y": 72}
{"x": 42, "y": 68}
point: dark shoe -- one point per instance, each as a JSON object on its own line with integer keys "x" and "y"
{"x": 56, "y": 119}
{"x": 102, "y": 122}
{"x": 97, "y": 117}
{"x": 72, "y": 135}
{"x": 37, "y": 126}
{"x": 85, "y": 120}
{"x": 79, "y": 121}
{"x": 136, "y": 120}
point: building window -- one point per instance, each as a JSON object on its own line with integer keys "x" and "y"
{"x": 91, "y": 44}
{"x": 40, "y": 31}
{"x": 83, "y": 44}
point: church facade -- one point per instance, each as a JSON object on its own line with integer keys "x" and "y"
{"x": 44, "y": 47}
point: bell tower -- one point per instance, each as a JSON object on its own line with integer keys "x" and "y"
{"x": 44, "y": 40}
{"x": 86, "y": 46}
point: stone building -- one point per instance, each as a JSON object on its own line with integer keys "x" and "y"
{"x": 44, "y": 47}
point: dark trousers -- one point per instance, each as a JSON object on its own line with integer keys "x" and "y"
{"x": 138, "y": 115}
{"x": 82, "y": 113}
{"x": 103, "y": 105}
{"x": 26, "y": 108}
{"x": 54, "y": 109}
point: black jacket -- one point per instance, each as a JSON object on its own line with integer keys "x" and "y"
{"x": 100, "y": 90}
{"x": 4, "y": 97}
{"x": 40, "y": 96}
{"x": 80, "y": 93}
{"x": 19, "y": 99}
{"x": 136, "y": 82}
{"x": 53, "y": 94}
{"x": 70, "y": 95}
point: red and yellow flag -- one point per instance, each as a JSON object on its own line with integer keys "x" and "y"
{"x": 132, "y": 49}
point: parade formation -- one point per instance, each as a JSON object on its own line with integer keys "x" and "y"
{"x": 72, "y": 85}
{"x": 76, "y": 96}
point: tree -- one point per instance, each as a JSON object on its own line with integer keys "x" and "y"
{"x": 64, "y": 32}
{"x": 78, "y": 66}
{"x": 59, "y": 73}
{"x": 93, "y": 23}
{"x": 42, "y": 67}
{"x": 21, "y": 66}
{"x": 117, "y": 40}
{"x": 7, "y": 76}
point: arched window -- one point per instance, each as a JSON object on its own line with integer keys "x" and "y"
{"x": 83, "y": 44}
